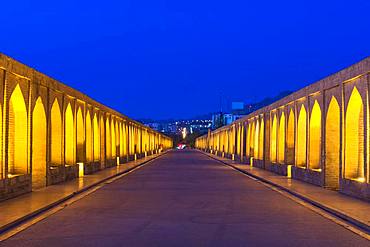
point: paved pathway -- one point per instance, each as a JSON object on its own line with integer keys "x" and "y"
{"x": 185, "y": 198}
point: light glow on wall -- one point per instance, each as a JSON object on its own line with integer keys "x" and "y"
{"x": 273, "y": 139}
{"x": 282, "y": 138}
{"x": 301, "y": 138}
{"x": 354, "y": 141}
{"x": 17, "y": 142}
{"x": 315, "y": 138}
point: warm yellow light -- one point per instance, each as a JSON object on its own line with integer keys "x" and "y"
{"x": 56, "y": 134}
{"x": 289, "y": 171}
{"x": 281, "y": 146}
{"x": 361, "y": 180}
{"x": 80, "y": 169}
{"x": 354, "y": 142}
{"x": 315, "y": 137}
{"x": 301, "y": 137}
{"x": 69, "y": 137}
{"x": 17, "y": 142}
{"x": 273, "y": 140}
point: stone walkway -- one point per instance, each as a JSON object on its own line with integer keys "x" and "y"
{"x": 15, "y": 210}
{"x": 351, "y": 209}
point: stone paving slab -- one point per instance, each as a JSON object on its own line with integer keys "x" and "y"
{"x": 18, "y": 209}
{"x": 354, "y": 210}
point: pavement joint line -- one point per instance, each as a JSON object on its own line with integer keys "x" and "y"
{"x": 15, "y": 227}
{"x": 355, "y": 226}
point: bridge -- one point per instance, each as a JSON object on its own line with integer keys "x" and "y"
{"x": 51, "y": 133}
{"x": 76, "y": 172}
{"x": 319, "y": 134}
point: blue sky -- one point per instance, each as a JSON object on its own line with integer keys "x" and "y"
{"x": 173, "y": 59}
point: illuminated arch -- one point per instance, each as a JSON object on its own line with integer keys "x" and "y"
{"x": 273, "y": 139}
{"x": 251, "y": 142}
{"x": 261, "y": 140}
{"x": 332, "y": 144}
{"x": 96, "y": 138}
{"x": 121, "y": 140}
{"x": 39, "y": 145}
{"x": 80, "y": 136}
{"x": 282, "y": 139}
{"x": 69, "y": 136}
{"x": 248, "y": 153}
{"x": 113, "y": 137}
{"x": 89, "y": 141}
{"x": 354, "y": 141}
{"x": 256, "y": 136}
{"x": 290, "y": 139}
{"x": 56, "y": 134}
{"x": 102, "y": 146}
{"x": 301, "y": 137}
{"x": 17, "y": 149}
{"x": 108, "y": 137}
{"x": 315, "y": 137}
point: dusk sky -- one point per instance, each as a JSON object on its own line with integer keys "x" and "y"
{"x": 172, "y": 59}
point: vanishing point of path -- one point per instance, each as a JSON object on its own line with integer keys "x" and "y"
{"x": 185, "y": 198}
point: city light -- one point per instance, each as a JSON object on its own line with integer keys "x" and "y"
{"x": 184, "y": 133}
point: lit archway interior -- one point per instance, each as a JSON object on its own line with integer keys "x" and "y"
{"x": 261, "y": 140}
{"x": 273, "y": 139}
{"x": 38, "y": 145}
{"x": 282, "y": 138}
{"x": 354, "y": 142}
{"x": 80, "y": 136}
{"x": 290, "y": 139}
{"x": 256, "y": 135}
{"x": 89, "y": 146}
{"x": 108, "y": 142}
{"x": 301, "y": 137}
{"x": 251, "y": 140}
{"x": 332, "y": 144}
{"x": 315, "y": 137}
{"x": 56, "y": 134}
{"x": 17, "y": 149}
{"x": 102, "y": 146}
{"x": 113, "y": 138}
{"x": 69, "y": 136}
{"x": 96, "y": 139}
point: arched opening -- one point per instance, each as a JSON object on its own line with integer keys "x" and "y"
{"x": 256, "y": 136}
{"x": 108, "y": 142}
{"x": 332, "y": 144}
{"x": 261, "y": 140}
{"x": 301, "y": 137}
{"x": 113, "y": 138}
{"x": 354, "y": 152}
{"x": 69, "y": 134}
{"x": 96, "y": 139}
{"x": 273, "y": 139}
{"x": 80, "y": 137}
{"x": 56, "y": 134}
{"x": 102, "y": 146}
{"x": 121, "y": 141}
{"x": 315, "y": 138}
{"x": 89, "y": 146}
{"x": 17, "y": 149}
{"x": 251, "y": 140}
{"x": 38, "y": 145}
{"x": 282, "y": 139}
{"x": 290, "y": 139}
{"x": 248, "y": 138}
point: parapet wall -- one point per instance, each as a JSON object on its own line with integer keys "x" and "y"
{"x": 318, "y": 134}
